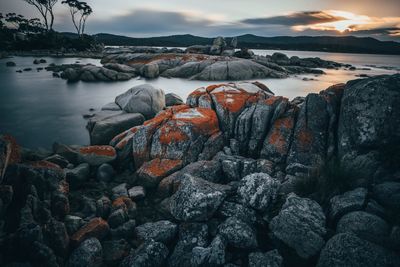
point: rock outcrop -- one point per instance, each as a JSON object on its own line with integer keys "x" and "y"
{"x": 234, "y": 177}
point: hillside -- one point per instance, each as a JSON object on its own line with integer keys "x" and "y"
{"x": 347, "y": 44}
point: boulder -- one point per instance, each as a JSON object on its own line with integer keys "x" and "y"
{"x": 105, "y": 172}
{"x": 350, "y": 201}
{"x": 124, "y": 231}
{"x": 213, "y": 255}
{"x": 118, "y": 217}
{"x": 172, "y": 99}
{"x": 89, "y": 253}
{"x": 196, "y": 199}
{"x": 370, "y": 117}
{"x": 96, "y": 227}
{"x": 137, "y": 193}
{"x": 103, "y": 128}
{"x": 271, "y": 259}
{"x": 150, "y": 173}
{"x": 230, "y": 209}
{"x": 347, "y": 249}
{"x": 161, "y": 231}
{"x": 365, "y": 225}
{"x": 218, "y": 46}
{"x": 258, "y": 191}
{"x": 150, "y": 70}
{"x": 191, "y": 235}
{"x": 144, "y": 99}
{"x": 111, "y": 106}
{"x": 97, "y": 155}
{"x": 300, "y": 225}
{"x": 78, "y": 175}
{"x": 388, "y": 195}
{"x": 150, "y": 253}
{"x": 114, "y": 251}
{"x": 10, "y": 64}
{"x": 238, "y": 233}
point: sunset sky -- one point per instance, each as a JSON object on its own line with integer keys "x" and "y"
{"x": 375, "y": 18}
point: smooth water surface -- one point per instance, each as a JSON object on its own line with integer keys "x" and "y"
{"x": 38, "y": 109}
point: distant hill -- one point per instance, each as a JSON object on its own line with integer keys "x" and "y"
{"x": 345, "y": 44}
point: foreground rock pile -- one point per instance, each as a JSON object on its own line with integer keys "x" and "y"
{"x": 234, "y": 177}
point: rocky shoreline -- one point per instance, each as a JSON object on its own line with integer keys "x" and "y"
{"x": 235, "y": 177}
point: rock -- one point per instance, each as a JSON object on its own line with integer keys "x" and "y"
{"x": 137, "y": 193}
{"x": 57, "y": 237}
{"x": 27, "y": 69}
{"x": 172, "y": 99}
{"x": 218, "y": 46}
{"x": 230, "y": 209}
{"x": 191, "y": 235}
{"x": 105, "y": 125}
{"x": 10, "y": 64}
{"x": 70, "y": 74}
{"x": 36, "y": 61}
{"x": 111, "y": 106}
{"x": 58, "y": 159}
{"x": 120, "y": 191}
{"x": 117, "y": 218}
{"x": 348, "y": 250}
{"x": 270, "y": 259}
{"x": 301, "y": 225}
{"x": 150, "y": 70}
{"x": 370, "y": 116}
{"x": 244, "y": 53}
{"x": 347, "y": 202}
{"x": 388, "y": 195}
{"x": 126, "y": 204}
{"x": 144, "y": 99}
{"x": 160, "y": 231}
{"x": 214, "y": 255}
{"x": 41, "y": 255}
{"x": 258, "y": 191}
{"x": 196, "y": 199}
{"x": 238, "y": 233}
{"x": 115, "y": 251}
{"x": 73, "y": 224}
{"x": 96, "y": 227}
{"x": 120, "y": 68}
{"x": 365, "y": 225}
{"x": 78, "y": 175}
{"x": 42, "y": 60}
{"x": 105, "y": 172}
{"x": 150, "y": 253}
{"x": 10, "y": 153}
{"x": 97, "y": 155}
{"x": 151, "y": 173}
{"x": 124, "y": 231}
{"x": 103, "y": 207}
{"x": 198, "y": 49}
{"x": 89, "y": 253}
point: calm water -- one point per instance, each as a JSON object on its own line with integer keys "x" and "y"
{"x": 39, "y": 109}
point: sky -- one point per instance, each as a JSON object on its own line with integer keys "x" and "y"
{"x": 373, "y": 18}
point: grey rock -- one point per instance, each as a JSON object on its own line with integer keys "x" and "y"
{"x": 365, "y": 225}
{"x": 114, "y": 251}
{"x": 388, "y": 195}
{"x": 269, "y": 259}
{"x": 196, "y": 199}
{"x": 214, "y": 255}
{"x": 238, "y": 233}
{"x": 89, "y": 253}
{"x": 111, "y": 106}
{"x": 144, "y": 99}
{"x": 161, "y": 231}
{"x": 10, "y": 64}
{"x": 348, "y": 250}
{"x": 150, "y": 70}
{"x": 150, "y": 254}
{"x": 79, "y": 175}
{"x": 120, "y": 191}
{"x": 229, "y": 209}
{"x": 124, "y": 231}
{"x": 258, "y": 191}
{"x": 137, "y": 193}
{"x": 191, "y": 235}
{"x": 301, "y": 225}
{"x": 58, "y": 159}
{"x": 103, "y": 207}
{"x": 347, "y": 202}
{"x": 73, "y": 223}
{"x": 117, "y": 218}
{"x": 172, "y": 99}
{"x": 105, "y": 172}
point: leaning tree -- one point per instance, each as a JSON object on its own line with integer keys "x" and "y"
{"x": 80, "y": 11}
{"x": 45, "y": 8}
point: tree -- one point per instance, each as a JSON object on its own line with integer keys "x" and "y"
{"x": 80, "y": 11}
{"x": 45, "y": 8}
{"x": 21, "y": 24}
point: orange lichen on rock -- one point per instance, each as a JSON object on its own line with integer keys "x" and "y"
{"x": 108, "y": 151}
{"x": 123, "y": 202}
{"x": 160, "y": 167}
{"x": 44, "y": 164}
{"x": 97, "y": 227}
{"x": 277, "y": 137}
{"x": 232, "y": 101}
{"x": 305, "y": 138}
{"x": 204, "y": 120}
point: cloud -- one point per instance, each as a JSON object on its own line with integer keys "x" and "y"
{"x": 298, "y": 18}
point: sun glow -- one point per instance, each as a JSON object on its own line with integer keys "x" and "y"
{"x": 346, "y": 23}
